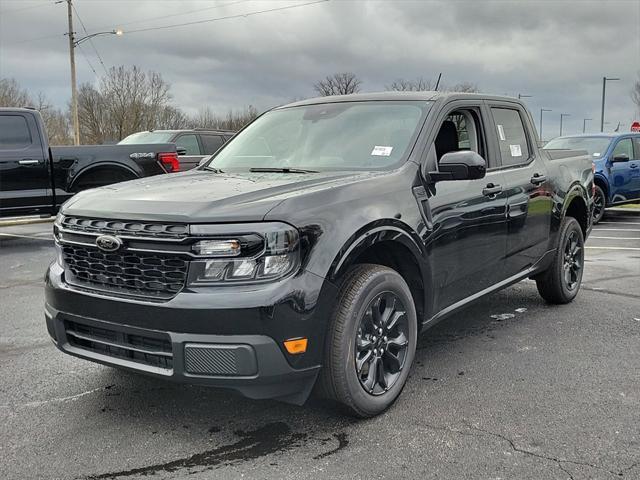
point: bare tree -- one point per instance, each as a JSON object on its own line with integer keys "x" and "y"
{"x": 127, "y": 101}
{"x": 12, "y": 95}
{"x": 338, "y": 84}
{"x": 232, "y": 120}
{"x": 403, "y": 85}
{"x": 55, "y": 120}
{"x": 635, "y": 93}
{"x": 465, "y": 87}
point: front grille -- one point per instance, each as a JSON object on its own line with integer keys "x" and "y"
{"x": 150, "y": 348}
{"x": 126, "y": 228}
{"x": 128, "y": 273}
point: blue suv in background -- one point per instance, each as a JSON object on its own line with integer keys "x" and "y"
{"x": 616, "y": 157}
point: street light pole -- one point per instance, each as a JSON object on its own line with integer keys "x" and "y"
{"x": 541, "y": 111}
{"x": 521, "y": 96}
{"x": 562, "y": 115}
{"x": 584, "y": 124}
{"x": 604, "y": 89}
{"x": 74, "y": 93}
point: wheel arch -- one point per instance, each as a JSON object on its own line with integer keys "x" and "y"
{"x": 392, "y": 245}
{"x": 101, "y": 167}
{"x": 576, "y": 206}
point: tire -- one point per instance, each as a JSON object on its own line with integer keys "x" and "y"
{"x": 560, "y": 283}
{"x": 351, "y": 341}
{"x": 599, "y": 202}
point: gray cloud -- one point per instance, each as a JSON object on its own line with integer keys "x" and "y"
{"x": 556, "y": 51}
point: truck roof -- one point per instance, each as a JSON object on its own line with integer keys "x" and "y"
{"x": 415, "y": 96}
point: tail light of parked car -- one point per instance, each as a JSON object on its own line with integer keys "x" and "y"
{"x": 169, "y": 161}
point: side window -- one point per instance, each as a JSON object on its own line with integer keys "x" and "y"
{"x": 459, "y": 131}
{"x": 636, "y": 147}
{"x": 512, "y": 138}
{"x": 190, "y": 142}
{"x": 14, "y": 132}
{"x": 211, "y": 143}
{"x": 623, "y": 147}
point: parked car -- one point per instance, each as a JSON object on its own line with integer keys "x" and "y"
{"x": 616, "y": 157}
{"x": 317, "y": 244}
{"x": 36, "y": 178}
{"x": 192, "y": 145}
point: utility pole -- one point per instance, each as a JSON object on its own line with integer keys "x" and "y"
{"x": 541, "y": 111}
{"x": 521, "y": 96}
{"x": 584, "y": 124}
{"x": 604, "y": 90}
{"x": 74, "y": 92}
{"x": 562, "y": 115}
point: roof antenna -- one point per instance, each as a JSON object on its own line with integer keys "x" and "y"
{"x": 438, "y": 82}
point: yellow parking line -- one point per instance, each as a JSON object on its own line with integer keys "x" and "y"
{"x": 612, "y": 248}
{"x": 615, "y": 238}
{"x": 32, "y": 237}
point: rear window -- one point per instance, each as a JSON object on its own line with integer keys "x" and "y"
{"x": 147, "y": 137}
{"x": 514, "y": 148}
{"x": 14, "y": 132}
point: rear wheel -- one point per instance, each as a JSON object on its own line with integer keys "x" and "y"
{"x": 371, "y": 341}
{"x": 599, "y": 202}
{"x": 560, "y": 283}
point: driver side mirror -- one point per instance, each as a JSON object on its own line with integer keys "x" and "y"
{"x": 621, "y": 157}
{"x": 181, "y": 150}
{"x": 461, "y": 165}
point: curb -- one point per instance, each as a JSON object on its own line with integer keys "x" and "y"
{"x": 25, "y": 221}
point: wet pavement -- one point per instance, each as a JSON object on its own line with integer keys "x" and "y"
{"x": 509, "y": 388}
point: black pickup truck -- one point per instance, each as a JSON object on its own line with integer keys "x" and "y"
{"x": 315, "y": 246}
{"x": 36, "y": 178}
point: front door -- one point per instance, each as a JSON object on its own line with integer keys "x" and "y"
{"x": 529, "y": 200}
{"x": 466, "y": 239}
{"x": 24, "y": 178}
{"x": 623, "y": 175}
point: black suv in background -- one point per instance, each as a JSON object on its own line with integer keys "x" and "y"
{"x": 317, "y": 244}
{"x": 192, "y": 145}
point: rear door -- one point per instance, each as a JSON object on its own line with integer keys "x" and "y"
{"x": 624, "y": 178}
{"x": 191, "y": 143}
{"x": 24, "y": 175}
{"x": 635, "y": 167}
{"x": 529, "y": 200}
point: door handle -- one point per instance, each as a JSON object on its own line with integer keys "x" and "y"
{"x": 537, "y": 179}
{"x": 491, "y": 190}
{"x": 28, "y": 161}
{"x": 633, "y": 165}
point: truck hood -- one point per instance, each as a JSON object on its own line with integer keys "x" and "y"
{"x": 200, "y": 196}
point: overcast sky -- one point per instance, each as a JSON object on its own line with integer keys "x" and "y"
{"x": 556, "y": 51}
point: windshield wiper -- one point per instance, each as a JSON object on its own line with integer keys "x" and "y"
{"x": 281, "y": 170}
{"x": 213, "y": 169}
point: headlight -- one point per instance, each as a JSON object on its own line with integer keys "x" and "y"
{"x": 272, "y": 251}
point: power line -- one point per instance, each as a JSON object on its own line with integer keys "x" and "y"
{"x": 240, "y": 15}
{"x": 90, "y": 39}
{"x": 14, "y": 10}
{"x": 88, "y": 61}
{"x": 170, "y": 15}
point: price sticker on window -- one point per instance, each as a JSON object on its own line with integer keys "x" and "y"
{"x": 381, "y": 151}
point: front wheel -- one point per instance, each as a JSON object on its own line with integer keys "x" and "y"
{"x": 371, "y": 341}
{"x": 560, "y": 283}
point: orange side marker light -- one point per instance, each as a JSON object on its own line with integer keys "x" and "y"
{"x": 296, "y": 346}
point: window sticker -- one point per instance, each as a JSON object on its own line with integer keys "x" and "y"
{"x": 501, "y": 133}
{"x": 516, "y": 151}
{"x": 596, "y": 154}
{"x": 381, "y": 151}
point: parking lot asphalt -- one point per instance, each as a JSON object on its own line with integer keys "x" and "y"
{"x": 510, "y": 388}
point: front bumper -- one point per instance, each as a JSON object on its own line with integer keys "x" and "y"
{"x": 228, "y": 338}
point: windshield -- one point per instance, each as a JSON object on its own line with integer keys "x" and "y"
{"x": 146, "y": 137}
{"x": 595, "y": 146}
{"x": 331, "y": 136}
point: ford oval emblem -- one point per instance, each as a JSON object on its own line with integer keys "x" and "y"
{"x": 108, "y": 243}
